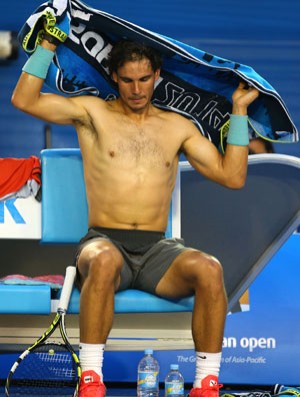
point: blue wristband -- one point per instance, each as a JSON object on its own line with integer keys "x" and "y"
{"x": 39, "y": 62}
{"x": 238, "y": 130}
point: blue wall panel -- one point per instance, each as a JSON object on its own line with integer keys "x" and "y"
{"x": 264, "y": 35}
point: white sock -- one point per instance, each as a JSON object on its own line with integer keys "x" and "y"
{"x": 91, "y": 357}
{"x": 206, "y": 364}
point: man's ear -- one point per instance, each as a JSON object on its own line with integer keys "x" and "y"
{"x": 157, "y": 74}
{"x": 114, "y": 77}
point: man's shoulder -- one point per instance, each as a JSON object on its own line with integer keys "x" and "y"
{"x": 88, "y": 99}
{"x": 174, "y": 116}
{"x": 94, "y": 103}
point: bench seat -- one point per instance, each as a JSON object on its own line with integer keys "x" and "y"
{"x": 25, "y": 299}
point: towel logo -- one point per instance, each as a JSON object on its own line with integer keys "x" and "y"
{"x": 95, "y": 45}
{"x": 200, "y": 106}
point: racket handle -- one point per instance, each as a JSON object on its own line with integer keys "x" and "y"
{"x": 67, "y": 289}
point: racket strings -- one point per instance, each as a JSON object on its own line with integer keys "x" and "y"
{"x": 54, "y": 357}
{"x": 49, "y": 369}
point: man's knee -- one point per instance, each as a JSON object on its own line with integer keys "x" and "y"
{"x": 100, "y": 261}
{"x": 204, "y": 269}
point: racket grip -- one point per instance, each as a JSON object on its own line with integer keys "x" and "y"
{"x": 67, "y": 289}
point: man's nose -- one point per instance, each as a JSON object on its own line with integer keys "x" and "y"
{"x": 136, "y": 87}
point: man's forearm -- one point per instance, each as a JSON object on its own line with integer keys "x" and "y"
{"x": 35, "y": 69}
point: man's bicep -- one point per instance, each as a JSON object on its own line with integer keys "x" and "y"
{"x": 58, "y": 109}
{"x": 197, "y": 148}
{"x": 54, "y": 108}
{"x": 201, "y": 153}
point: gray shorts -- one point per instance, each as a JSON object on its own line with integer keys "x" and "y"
{"x": 147, "y": 255}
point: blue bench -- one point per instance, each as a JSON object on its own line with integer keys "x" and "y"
{"x": 272, "y": 178}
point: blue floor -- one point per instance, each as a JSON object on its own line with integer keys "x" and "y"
{"x": 111, "y": 392}
{"x": 125, "y": 391}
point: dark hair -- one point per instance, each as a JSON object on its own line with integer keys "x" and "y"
{"x": 267, "y": 146}
{"x": 126, "y": 50}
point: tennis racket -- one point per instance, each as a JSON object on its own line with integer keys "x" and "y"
{"x": 48, "y": 367}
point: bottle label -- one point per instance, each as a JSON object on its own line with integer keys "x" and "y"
{"x": 147, "y": 379}
{"x": 173, "y": 388}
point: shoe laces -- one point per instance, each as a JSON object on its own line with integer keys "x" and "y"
{"x": 91, "y": 388}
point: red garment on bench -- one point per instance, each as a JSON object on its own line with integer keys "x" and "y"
{"x": 14, "y": 173}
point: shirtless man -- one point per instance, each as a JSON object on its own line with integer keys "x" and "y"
{"x": 130, "y": 153}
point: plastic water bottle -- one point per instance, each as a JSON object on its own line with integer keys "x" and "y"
{"x": 148, "y": 376}
{"x": 174, "y": 382}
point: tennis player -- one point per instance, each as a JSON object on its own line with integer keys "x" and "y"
{"x": 130, "y": 151}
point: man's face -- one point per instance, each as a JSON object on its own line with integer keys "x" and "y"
{"x": 136, "y": 81}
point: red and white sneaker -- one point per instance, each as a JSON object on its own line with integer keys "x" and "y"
{"x": 91, "y": 385}
{"x": 209, "y": 387}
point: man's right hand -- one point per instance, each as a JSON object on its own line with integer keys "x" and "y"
{"x": 55, "y": 32}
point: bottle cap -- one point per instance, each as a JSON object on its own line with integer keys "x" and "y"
{"x": 149, "y": 351}
{"x": 174, "y": 366}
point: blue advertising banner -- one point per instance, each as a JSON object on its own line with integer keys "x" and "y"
{"x": 262, "y": 346}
